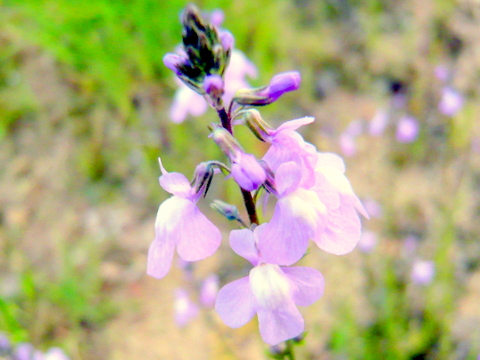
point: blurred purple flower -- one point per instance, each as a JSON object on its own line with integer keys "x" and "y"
{"x": 367, "y": 241}
{"x": 451, "y": 102}
{"x": 270, "y": 291}
{"x": 55, "y": 353}
{"x": 441, "y": 73}
{"x": 24, "y": 351}
{"x": 407, "y": 129}
{"x": 423, "y": 272}
{"x": 180, "y": 224}
{"x": 379, "y": 123}
{"x": 184, "y": 309}
{"x": 373, "y": 208}
{"x": 209, "y": 290}
{"x": 348, "y": 144}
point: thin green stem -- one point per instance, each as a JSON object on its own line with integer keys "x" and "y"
{"x": 289, "y": 351}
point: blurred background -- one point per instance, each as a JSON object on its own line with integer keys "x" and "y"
{"x": 84, "y": 114}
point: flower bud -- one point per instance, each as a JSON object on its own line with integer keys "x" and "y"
{"x": 173, "y": 62}
{"x": 203, "y": 177}
{"x": 282, "y": 83}
{"x": 226, "y": 38}
{"x": 228, "y": 210}
{"x": 256, "y": 124}
{"x": 225, "y": 141}
{"x": 247, "y": 172}
{"x": 214, "y": 87}
{"x": 279, "y": 84}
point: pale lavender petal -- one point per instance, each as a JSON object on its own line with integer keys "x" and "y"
{"x": 293, "y": 125}
{"x": 160, "y": 255}
{"x": 176, "y": 184}
{"x": 247, "y": 172}
{"x": 284, "y": 240}
{"x": 187, "y": 101}
{"x": 287, "y": 177}
{"x": 341, "y": 231}
{"x": 243, "y": 243}
{"x": 280, "y": 324}
{"x": 196, "y": 236}
{"x": 330, "y": 159}
{"x": 235, "y": 303}
{"x": 309, "y": 284}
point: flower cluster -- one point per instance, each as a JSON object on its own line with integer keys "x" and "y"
{"x": 26, "y": 351}
{"x": 314, "y": 199}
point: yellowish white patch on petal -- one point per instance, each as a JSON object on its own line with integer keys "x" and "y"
{"x": 337, "y": 179}
{"x": 304, "y": 204}
{"x": 270, "y": 285}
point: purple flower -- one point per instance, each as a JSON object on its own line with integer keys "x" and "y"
{"x": 180, "y": 225}
{"x": 282, "y": 83}
{"x": 185, "y": 102}
{"x": 209, "y": 290}
{"x": 367, "y": 242}
{"x": 441, "y": 73}
{"x": 423, "y": 272}
{"x": 24, "y": 351}
{"x": 348, "y": 144}
{"x": 55, "y": 353}
{"x": 451, "y": 102}
{"x": 407, "y": 129}
{"x": 297, "y": 216}
{"x": 378, "y": 123}
{"x": 270, "y": 291}
{"x": 247, "y": 172}
{"x": 185, "y": 310}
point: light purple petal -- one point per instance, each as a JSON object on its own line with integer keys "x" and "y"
{"x": 283, "y": 323}
{"x": 308, "y": 284}
{"x": 243, "y": 243}
{"x": 341, "y": 231}
{"x": 330, "y": 159}
{"x": 293, "y": 125}
{"x": 160, "y": 255}
{"x": 195, "y": 235}
{"x": 176, "y": 184}
{"x": 287, "y": 177}
{"x": 235, "y": 303}
{"x": 284, "y": 240}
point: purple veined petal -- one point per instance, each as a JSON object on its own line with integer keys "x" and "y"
{"x": 243, "y": 243}
{"x": 284, "y": 240}
{"x": 176, "y": 184}
{"x": 280, "y": 324}
{"x": 160, "y": 255}
{"x": 341, "y": 231}
{"x": 196, "y": 237}
{"x": 309, "y": 284}
{"x": 235, "y": 303}
{"x": 287, "y": 178}
{"x": 293, "y": 125}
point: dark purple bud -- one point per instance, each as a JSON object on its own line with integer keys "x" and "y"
{"x": 173, "y": 62}
{"x": 282, "y": 83}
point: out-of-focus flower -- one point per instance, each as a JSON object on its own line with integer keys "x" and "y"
{"x": 367, "y": 241}
{"x": 441, "y": 73}
{"x": 209, "y": 290}
{"x": 181, "y": 225}
{"x": 407, "y": 129}
{"x": 185, "y": 310}
{"x": 379, "y": 123}
{"x": 270, "y": 291}
{"x": 373, "y": 208}
{"x": 423, "y": 272}
{"x": 451, "y": 102}
{"x": 348, "y": 144}
{"x": 55, "y": 353}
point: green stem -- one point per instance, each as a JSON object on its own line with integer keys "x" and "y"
{"x": 289, "y": 351}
